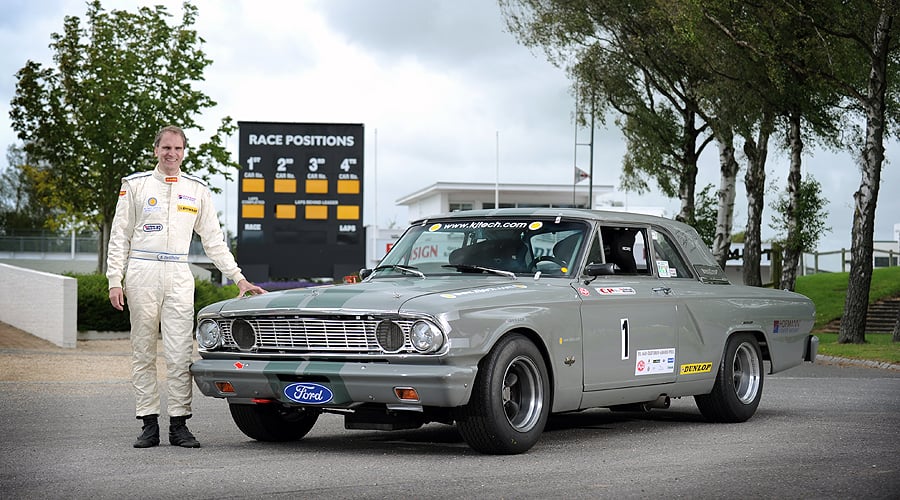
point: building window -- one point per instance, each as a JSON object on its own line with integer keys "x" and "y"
{"x": 885, "y": 261}
{"x": 459, "y": 207}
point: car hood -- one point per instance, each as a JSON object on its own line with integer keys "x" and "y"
{"x": 376, "y": 295}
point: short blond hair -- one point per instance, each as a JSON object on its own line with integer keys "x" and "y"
{"x": 172, "y": 129}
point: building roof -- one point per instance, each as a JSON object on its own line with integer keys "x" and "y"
{"x": 464, "y": 190}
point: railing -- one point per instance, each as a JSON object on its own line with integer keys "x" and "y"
{"x": 54, "y": 245}
{"x": 892, "y": 259}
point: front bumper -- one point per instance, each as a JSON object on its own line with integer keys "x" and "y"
{"x": 350, "y": 383}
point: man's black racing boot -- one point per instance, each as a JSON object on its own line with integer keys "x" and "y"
{"x": 149, "y": 432}
{"x": 179, "y": 435}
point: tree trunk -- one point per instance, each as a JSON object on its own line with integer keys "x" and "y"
{"x": 725, "y": 214}
{"x": 792, "y": 247}
{"x": 853, "y": 325}
{"x": 687, "y": 179}
{"x": 755, "y": 182}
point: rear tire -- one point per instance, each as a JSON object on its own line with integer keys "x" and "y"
{"x": 273, "y": 422}
{"x": 739, "y": 383}
{"x": 510, "y": 400}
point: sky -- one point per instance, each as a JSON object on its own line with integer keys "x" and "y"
{"x": 444, "y": 91}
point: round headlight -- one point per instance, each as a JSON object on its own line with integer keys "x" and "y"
{"x": 426, "y": 337}
{"x": 208, "y": 334}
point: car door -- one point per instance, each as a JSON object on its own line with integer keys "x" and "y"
{"x": 628, "y": 318}
{"x": 695, "y": 357}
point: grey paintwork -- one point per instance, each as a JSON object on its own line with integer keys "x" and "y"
{"x": 595, "y": 333}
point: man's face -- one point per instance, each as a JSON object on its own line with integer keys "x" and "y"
{"x": 170, "y": 152}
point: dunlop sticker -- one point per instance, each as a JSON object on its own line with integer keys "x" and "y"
{"x": 187, "y": 208}
{"x": 693, "y": 368}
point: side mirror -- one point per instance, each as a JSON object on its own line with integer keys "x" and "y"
{"x": 364, "y": 273}
{"x": 605, "y": 269}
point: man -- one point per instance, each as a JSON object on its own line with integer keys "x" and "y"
{"x": 156, "y": 215}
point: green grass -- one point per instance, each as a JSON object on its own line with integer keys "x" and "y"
{"x": 878, "y": 347}
{"x": 829, "y": 290}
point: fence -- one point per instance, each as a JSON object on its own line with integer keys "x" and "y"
{"x": 881, "y": 258}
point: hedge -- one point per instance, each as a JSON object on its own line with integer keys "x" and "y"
{"x": 96, "y": 313}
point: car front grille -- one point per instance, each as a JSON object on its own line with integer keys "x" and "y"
{"x": 303, "y": 334}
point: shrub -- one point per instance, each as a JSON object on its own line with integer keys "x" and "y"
{"x": 96, "y": 313}
{"x": 94, "y": 309}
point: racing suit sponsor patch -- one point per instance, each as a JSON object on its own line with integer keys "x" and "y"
{"x": 186, "y": 198}
{"x": 171, "y": 179}
{"x": 187, "y": 208}
{"x": 153, "y": 228}
{"x": 122, "y": 193}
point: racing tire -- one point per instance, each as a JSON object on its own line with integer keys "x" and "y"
{"x": 510, "y": 401}
{"x": 273, "y": 422}
{"x": 739, "y": 383}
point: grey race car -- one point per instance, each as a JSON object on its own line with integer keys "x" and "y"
{"x": 493, "y": 320}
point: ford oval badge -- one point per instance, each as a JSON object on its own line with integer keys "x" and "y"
{"x": 308, "y": 393}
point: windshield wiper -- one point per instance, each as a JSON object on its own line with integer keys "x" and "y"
{"x": 470, "y": 268}
{"x": 405, "y": 269}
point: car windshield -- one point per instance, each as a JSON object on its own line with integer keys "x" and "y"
{"x": 505, "y": 247}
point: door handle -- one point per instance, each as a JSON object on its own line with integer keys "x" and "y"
{"x": 663, "y": 289}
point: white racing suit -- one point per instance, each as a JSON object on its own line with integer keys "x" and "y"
{"x": 151, "y": 233}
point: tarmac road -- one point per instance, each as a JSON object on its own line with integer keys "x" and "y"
{"x": 66, "y": 416}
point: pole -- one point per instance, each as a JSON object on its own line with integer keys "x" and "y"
{"x": 497, "y": 180}
{"x": 591, "y": 173}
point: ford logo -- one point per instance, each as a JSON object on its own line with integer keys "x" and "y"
{"x": 308, "y": 393}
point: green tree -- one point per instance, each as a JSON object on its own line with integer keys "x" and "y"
{"x": 90, "y": 120}
{"x": 810, "y": 208}
{"x": 19, "y": 208}
{"x": 624, "y": 59}
{"x": 705, "y": 215}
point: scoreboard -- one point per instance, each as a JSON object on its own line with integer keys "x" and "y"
{"x": 300, "y": 200}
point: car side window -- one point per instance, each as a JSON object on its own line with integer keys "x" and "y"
{"x": 669, "y": 263}
{"x": 626, "y": 247}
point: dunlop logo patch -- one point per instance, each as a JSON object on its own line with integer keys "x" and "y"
{"x": 695, "y": 368}
{"x": 187, "y": 208}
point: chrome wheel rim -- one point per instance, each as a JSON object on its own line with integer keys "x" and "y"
{"x": 746, "y": 373}
{"x": 522, "y": 394}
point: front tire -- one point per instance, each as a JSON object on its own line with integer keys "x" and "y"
{"x": 510, "y": 400}
{"x": 739, "y": 383}
{"x": 273, "y": 422}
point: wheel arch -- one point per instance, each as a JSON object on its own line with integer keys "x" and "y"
{"x": 761, "y": 341}
{"x": 538, "y": 342}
